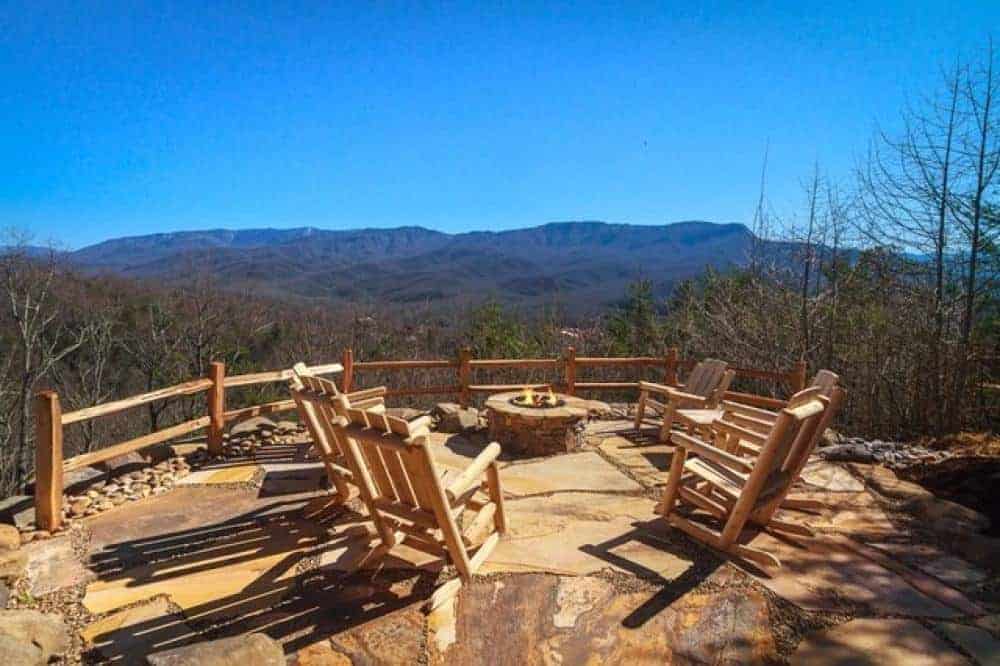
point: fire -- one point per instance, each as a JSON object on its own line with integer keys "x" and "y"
{"x": 528, "y": 398}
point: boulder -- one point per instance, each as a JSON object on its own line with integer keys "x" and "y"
{"x": 47, "y": 633}
{"x": 18, "y": 510}
{"x": 406, "y": 413}
{"x": 123, "y": 464}
{"x": 256, "y": 649}
{"x": 78, "y": 480}
{"x": 258, "y": 424}
{"x": 287, "y": 427}
{"x": 455, "y": 418}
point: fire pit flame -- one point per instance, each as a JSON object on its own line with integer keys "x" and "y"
{"x": 529, "y": 398}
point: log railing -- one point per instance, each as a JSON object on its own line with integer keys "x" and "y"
{"x": 50, "y": 421}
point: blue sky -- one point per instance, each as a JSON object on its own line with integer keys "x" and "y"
{"x": 123, "y": 118}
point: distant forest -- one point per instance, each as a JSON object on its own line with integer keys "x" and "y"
{"x": 892, "y": 284}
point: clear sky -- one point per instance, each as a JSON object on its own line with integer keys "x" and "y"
{"x": 123, "y": 118}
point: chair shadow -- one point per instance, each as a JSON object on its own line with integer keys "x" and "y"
{"x": 656, "y": 533}
{"x": 651, "y": 533}
{"x": 296, "y": 608}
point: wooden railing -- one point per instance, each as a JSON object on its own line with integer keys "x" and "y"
{"x": 49, "y": 420}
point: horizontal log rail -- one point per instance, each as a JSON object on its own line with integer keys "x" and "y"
{"x": 49, "y": 419}
{"x": 187, "y": 388}
{"x": 277, "y": 375}
{"x": 404, "y": 365}
{"x": 515, "y": 363}
{"x": 157, "y": 437}
{"x": 276, "y": 407}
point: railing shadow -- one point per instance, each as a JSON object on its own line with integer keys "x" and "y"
{"x": 294, "y": 606}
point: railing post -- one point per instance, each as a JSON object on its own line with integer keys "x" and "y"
{"x": 670, "y": 367}
{"x": 347, "y": 383}
{"x": 797, "y": 377}
{"x": 48, "y": 461}
{"x": 464, "y": 376}
{"x": 216, "y": 407}
{"x": 570, "y": 370}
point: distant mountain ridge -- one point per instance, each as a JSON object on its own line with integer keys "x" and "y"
{"x": 585, "y": 265}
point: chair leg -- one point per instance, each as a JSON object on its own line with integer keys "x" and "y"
{"x": 670, "y": 493}
{"x": 668, "y": 423}
{"x": 496, "y": 495}
{"x": 343, "y": 491}
{"x": 640, "y": 409}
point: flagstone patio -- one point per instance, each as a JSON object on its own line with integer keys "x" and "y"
{"x": 587, "y": 573}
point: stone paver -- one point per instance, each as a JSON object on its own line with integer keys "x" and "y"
{"x": 990, "y": 623}
{"x": 584, "y": 620}
{"x": 573, "y": 471}
{"x": 831, "y": 477}
{"x": 52, "y": 566}
{"x": 976, "y": 641}
{"x": 289, "y": 479}
{"x": 581, "y": 533}
{"x": 454, "y": 451}
{"x": 935, "y": 562}
{"x": 212, "y": 573}
{"x": 124, "y": 636}
{"x": 820, "y": 575}
{"x": 647, "y": 462}
{"x": 876, "y": 642}
{"x": 180, "y": 514}
{"x": 241, "y": 473}
{"x": 859, "y": 514}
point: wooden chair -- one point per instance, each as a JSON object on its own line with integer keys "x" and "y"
{"x": 739, "y": 489}
{"x": 411, "y": 501}
{"x": 705, "y": 386}
{"x": 313, "y": 398}
{"x": 761, "y": 421}
{"x": 699, "y": 421}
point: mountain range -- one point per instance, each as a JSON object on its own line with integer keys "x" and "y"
{"x": 583, "y": 265}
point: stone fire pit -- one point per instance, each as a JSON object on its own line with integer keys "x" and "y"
{"x": 537, "y": 431}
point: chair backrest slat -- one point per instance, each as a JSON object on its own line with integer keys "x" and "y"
{"x": 705, "y": 377}
{"x": 826, "y": 381}
{"x": 793, "y": 428}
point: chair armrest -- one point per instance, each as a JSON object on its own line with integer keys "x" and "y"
{"x": 421, "y": 422}
{"x": 695, "y": 445}
{"x": 653, "y": 387}
{"x": 471, "y": 474}
{"x": 364, "y": 394}
{"x": 682, "y": 397}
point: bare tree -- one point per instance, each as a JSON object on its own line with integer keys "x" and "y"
{"x": 39, "y": 338}
{"x": 981, "y": 152}
{"x": 153, "y": 345}
{"x": 89, "y": 379}
{"x": 905, "y": 195}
